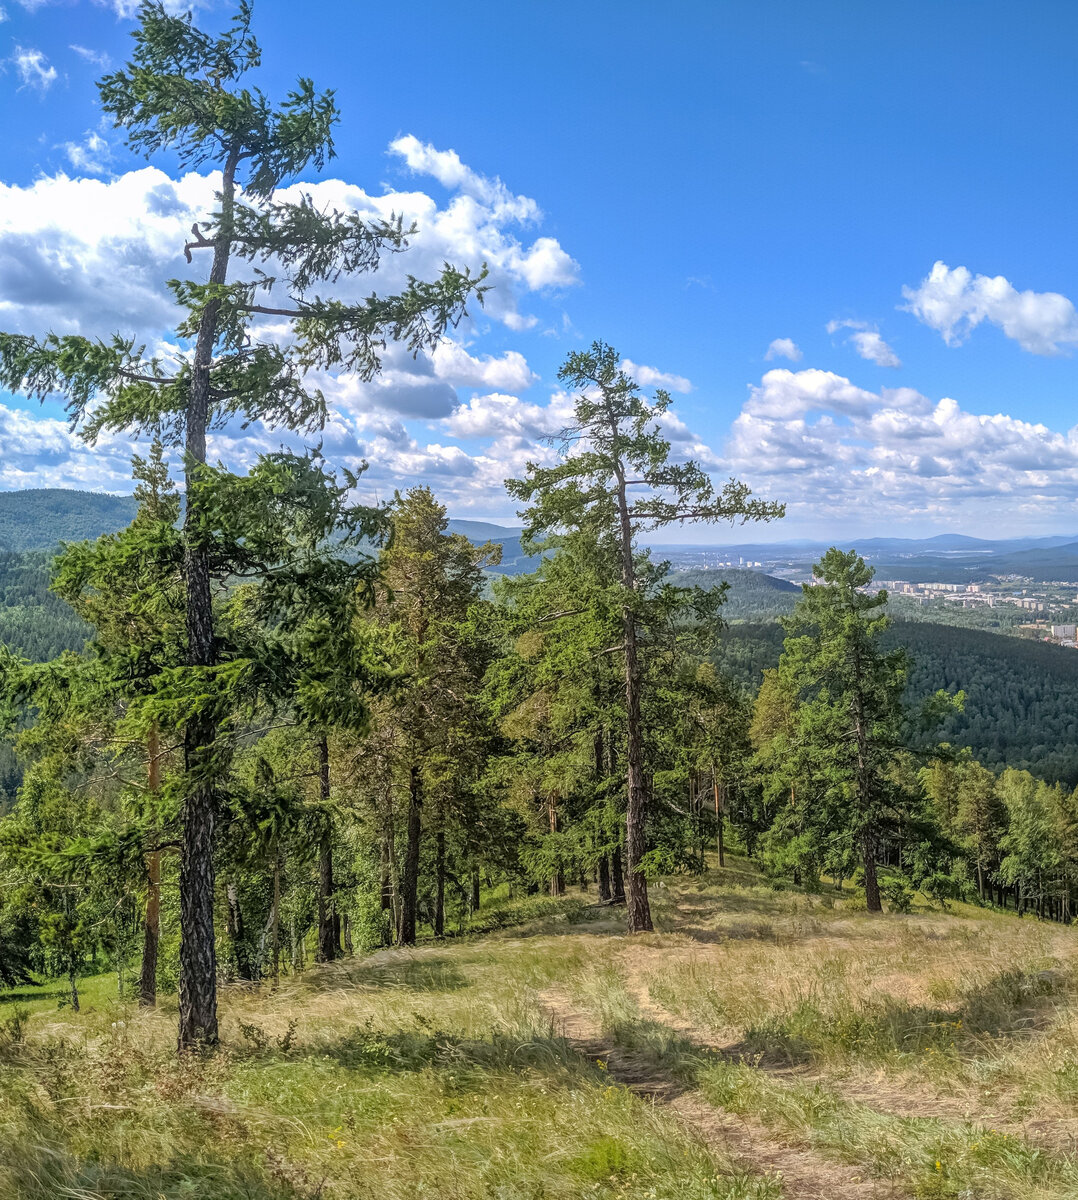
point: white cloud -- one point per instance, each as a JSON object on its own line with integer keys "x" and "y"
{"x": 783, "y": 348}
{"x": 97, "y": 58}
{"x": 33, "y": 69}
{"x": 91, "y": 156}
{"x": 650, "y": 377}
{"x": 867, "y": 341}
{"x": 836, "y": 452}
{"x": 88, "y": 256}
{"x": 873, "y": 348}
{"x": 445, "y": 166}
{"x": 954, "y": 302}
{"x": 509, "y": 371}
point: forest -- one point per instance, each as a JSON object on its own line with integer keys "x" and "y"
{"x": 297, "y": 727}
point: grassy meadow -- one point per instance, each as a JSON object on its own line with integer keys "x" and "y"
{"x": 765, "y": 1043}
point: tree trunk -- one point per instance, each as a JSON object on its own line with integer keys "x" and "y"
{"x": 151, "y": 934}
{"x": 147, "y": 985}
{"x": 387, "y": 880}
{"x": 557, "y": 880}
{"x": 475, "y": 890}
{"x": 439, "y": 883}
{"x": 328, "y": 940}
{"x": 73, "y": 988}
{"x": 237, "y": 933}
{"x": 720, "y": 817}
{"x": 276, "y": 919}
{"x": 410, "y": 878}
{"x": 605, "y": 894}
{"x": 198, "y": 954}
{"x": 616, "y": 874}
{"x": 872, "y": 887}
{"x": 639, "y": 909}
{"x": 636, "y": 801}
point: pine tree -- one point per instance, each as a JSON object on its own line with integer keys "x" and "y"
{"x": 613, "y": 447}
{"x": 183, "y": 92}
{"x": 849, "y": 712}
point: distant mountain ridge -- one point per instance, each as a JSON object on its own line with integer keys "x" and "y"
{"x": 41, "y": 518}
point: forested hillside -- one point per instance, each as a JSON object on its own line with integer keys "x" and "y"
{"x": 1021, "y": 707}
{"x": 41, "y": 518}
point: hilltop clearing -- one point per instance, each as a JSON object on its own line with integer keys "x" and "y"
{"x": 764, "y": 1043}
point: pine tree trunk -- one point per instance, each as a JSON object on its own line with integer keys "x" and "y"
{"x": 151, "y": 934}
{"x": 557, "y": 880}
{"x": 605, "y": 894}
{"x": 639, "y": 909}
{"x": 387, "y": 881}
{"x": 439, "y": 883}
{"x": 617, "y": 875}
{"x": 198, "y": 954}
{"x": 276, "y": 919}
{"x": 410, "y": 878}
{"x": 151, "y": 937}
{"x": 328, "y": 939}
{"x": 720, "y": 817}
{"x": 237, "y": 933}
{"x": 872, "y": 887}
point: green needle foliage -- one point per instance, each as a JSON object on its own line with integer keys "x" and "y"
{"x": 184, "y": 91}
{"x": 615, "y": 481}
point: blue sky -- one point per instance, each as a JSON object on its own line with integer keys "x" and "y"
{"x": 692, "y": 182}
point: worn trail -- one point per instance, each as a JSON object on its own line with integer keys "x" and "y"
{"x": 805, "y": 1173}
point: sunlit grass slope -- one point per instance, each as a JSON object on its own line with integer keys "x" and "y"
{"x": 935, "y": 1053}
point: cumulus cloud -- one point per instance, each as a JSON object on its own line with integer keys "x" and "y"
{"x": 954, "y": 302}
{"x": 89, "y": 255}
{"x": 783, "y": 348}
{"x": 91, "y": 156}
{"x": 834, "y": 450}
{"x": 868, "y": 343}
{"x": 509, "y": 371}
{"x": 33, "y": 69}
{"x": 650, "y": 377}
{"x": 42, "y": 451}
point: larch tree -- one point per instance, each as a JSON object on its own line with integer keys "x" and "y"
{"x": 848, "y": 694}
{"x": 184, "y": 92}
{"x": 616, "y": 480}
{"x": 433, "y": 580}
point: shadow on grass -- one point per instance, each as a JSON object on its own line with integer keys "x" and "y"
{"x": 30, "y": 997}
{"x": 44, "y": 1170}
{"x": 404, "y": 974}
{"x": 366, "y": 1049}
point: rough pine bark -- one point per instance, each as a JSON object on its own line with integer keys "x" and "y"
{"x": 617, "y": 875}
{"x": 151, "y": 934}
{"x": 328, "y": 940}
{"x": 198, "y": 957}
{"x": 410, "y": 874}
{"x": 872, "y": 886}
{"x": 439, "y": 883}
{"x": 237, "y": 933}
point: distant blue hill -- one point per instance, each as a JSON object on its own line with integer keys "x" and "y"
{"x": 41, "y": 518}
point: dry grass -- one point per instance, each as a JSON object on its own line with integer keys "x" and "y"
{"x": 936, "y": 1053}
{"x": 426, "y": 1074}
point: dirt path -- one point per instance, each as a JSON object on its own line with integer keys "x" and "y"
{"x": 881, "y": 1094}
{"x": 805, "y": 1174}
